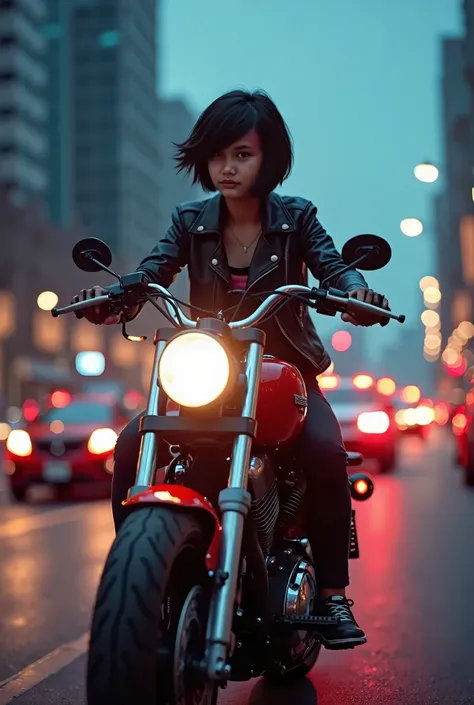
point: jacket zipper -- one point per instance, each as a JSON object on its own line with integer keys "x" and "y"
{"x": 264, "y": 274}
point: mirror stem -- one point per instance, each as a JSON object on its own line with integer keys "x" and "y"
{"x": 102, "y": 266}
{"x": 347, "y": 268}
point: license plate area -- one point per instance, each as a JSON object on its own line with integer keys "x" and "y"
{"x": 57, "y": 471}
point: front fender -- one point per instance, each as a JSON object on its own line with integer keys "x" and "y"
{"x": 183, "y": 498}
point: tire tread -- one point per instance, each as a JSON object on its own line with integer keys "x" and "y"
{"x": 125, "y": 625}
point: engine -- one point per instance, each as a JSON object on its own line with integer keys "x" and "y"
{"x": 265, "y": 507}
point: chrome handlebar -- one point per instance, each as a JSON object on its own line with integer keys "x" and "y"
{"x": 343, "y": 303}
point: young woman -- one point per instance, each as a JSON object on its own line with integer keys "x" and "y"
{"x": 248, "y": 236}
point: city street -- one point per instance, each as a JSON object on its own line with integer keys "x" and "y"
{"x": 413, "y": 589}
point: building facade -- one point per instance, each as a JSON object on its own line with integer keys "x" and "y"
{"x": 23, "y": 100}
{"x": 454, "y": 206}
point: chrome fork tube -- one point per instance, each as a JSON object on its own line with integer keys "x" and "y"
{"x": 234, "y": 503}
{"x": 149, "y": 443}
{"x": 239, "y": 470}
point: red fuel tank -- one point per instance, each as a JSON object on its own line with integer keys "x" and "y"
{"x": 281, "y": 406}
{"x": 282, "y": 403}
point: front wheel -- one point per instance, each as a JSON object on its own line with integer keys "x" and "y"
{"x": 140, "y": 630}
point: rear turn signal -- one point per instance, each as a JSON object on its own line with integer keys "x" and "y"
{"x": 362, "y": 486}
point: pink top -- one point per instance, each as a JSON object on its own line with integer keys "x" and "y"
{"x": 239, "y": 281}
{"x": 239, "y": 277}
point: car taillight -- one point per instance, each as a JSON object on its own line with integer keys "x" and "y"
{"x": 363, "y": 381}
{"x": 373, "y": 422}
{"x": 425, "y": 415}
{"x": 329, "y": 381}
{"x": 102, "y": 440}
{"x": 459, "y": 424}
{"x": 19, "y": 443}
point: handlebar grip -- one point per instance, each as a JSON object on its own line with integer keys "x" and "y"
{"x": 97, "y": 301}
{"x": 355, "y": 306}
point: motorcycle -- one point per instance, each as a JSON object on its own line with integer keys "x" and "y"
{"x": 210, "y": 578}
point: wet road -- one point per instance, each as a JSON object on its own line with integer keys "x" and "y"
{"x": 413, "y": 589}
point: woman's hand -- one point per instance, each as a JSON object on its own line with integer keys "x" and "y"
{"x": 95, "y": 314}
{"x": 370, "y": 297}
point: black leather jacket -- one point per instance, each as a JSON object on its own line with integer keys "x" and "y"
{"x": 293, "y": 241}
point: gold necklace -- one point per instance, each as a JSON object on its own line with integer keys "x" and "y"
{"x": 245, "y": 247}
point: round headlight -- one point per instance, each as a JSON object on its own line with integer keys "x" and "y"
{"x": 194, "y": 369}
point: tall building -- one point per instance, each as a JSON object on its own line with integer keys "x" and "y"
{"x": 60, "y": 91}
{"x": 454, "y": 206}
{"x": 455, "y": 200}
{"x": 115, "y": 121}
{"x": 23, "y": 107}
{"x": 104, "y": 126}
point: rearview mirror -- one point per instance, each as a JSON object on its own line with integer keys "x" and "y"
{"x": 88, "y": 254}
{"x": 367, "y": 252}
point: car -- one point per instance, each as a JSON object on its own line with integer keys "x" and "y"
{"x": 365, "y": 416}
{"x": 462, "y": 425}
{"x": 415, "y": 420}
{"x": 72, "y": 442}
{"x": 407, "y": 421}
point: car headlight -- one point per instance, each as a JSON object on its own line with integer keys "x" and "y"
{"x": 194, "y": 369}
{"x": 102, "y": 440}
{"x": 19, "y": 443}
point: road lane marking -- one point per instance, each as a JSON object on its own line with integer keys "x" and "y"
{"x": 48, "y": 665}
{"x": 23, "y": 525}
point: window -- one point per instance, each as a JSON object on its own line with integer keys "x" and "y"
{"x": 79, "y": 412}
{"x": 109, "y": 39}
{"x": 52, "y": 31}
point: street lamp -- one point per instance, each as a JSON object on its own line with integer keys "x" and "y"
{"x": 426, "y": 172}
{"x": 427, "y": 281}
{"x": 47, "y": 300}
{"x": 411, "y": 227}
{"x": 432, "y": 295}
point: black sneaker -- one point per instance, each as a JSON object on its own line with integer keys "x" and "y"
{"x": 347, "y": 633}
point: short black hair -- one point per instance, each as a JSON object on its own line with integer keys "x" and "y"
{"x": 224, "y": 121}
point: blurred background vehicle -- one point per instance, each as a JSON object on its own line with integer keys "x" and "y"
{"x": 366, "y": 417}
{"x": 462, "y": 426}
{"x": 71, "y": 441}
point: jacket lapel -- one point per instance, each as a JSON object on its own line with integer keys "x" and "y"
{"x": 267, "y": 256}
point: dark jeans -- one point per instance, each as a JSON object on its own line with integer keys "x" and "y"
{"x": 321, "y": 452}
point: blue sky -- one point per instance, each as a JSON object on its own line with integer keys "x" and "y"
{"x": 358, "y": 82}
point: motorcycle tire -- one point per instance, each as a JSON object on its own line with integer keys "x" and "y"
{"x": 154, "y": 561}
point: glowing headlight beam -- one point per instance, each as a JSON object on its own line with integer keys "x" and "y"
{"x": 194, "y": 369}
